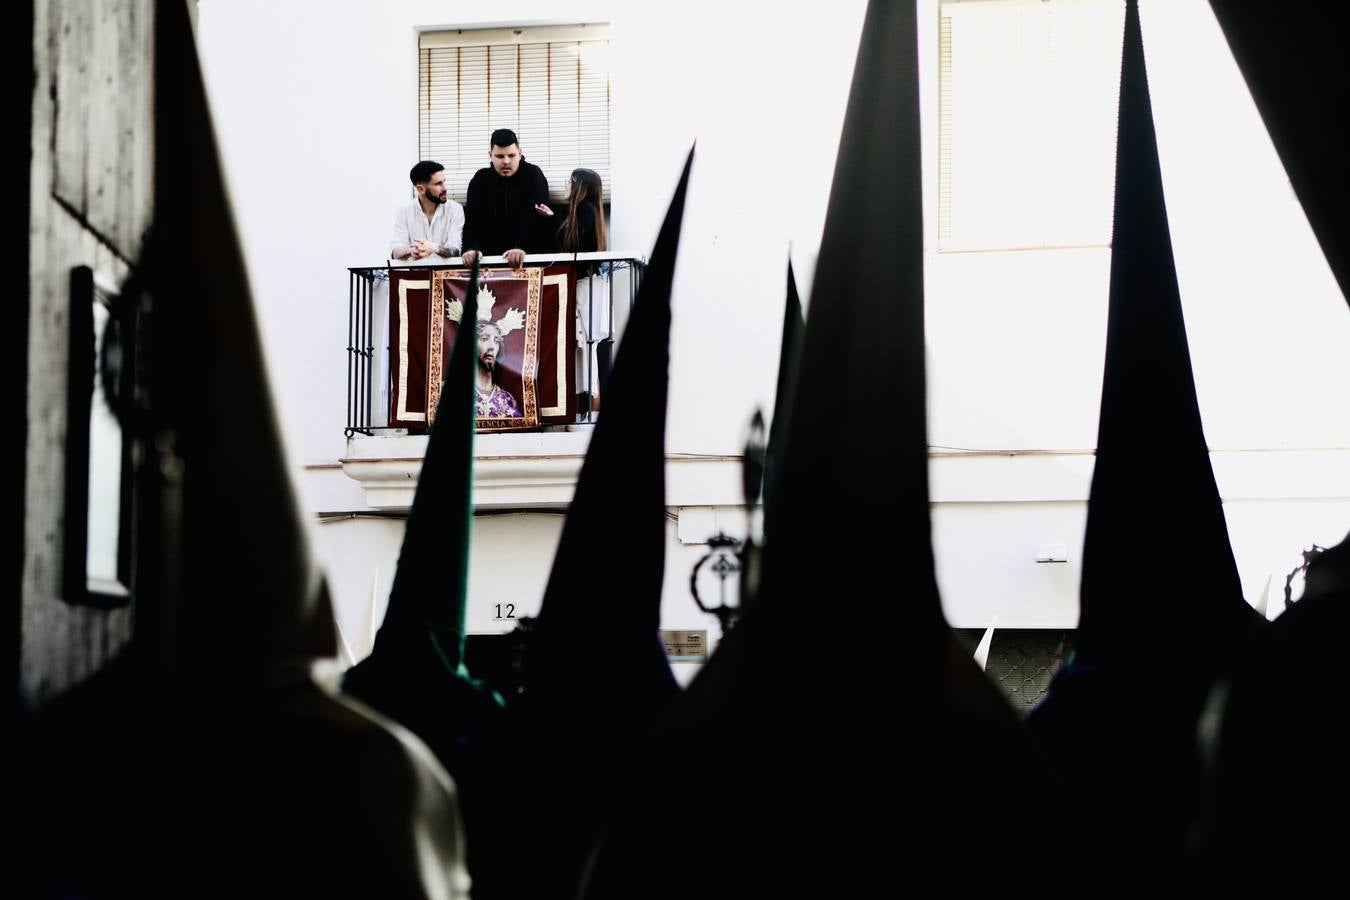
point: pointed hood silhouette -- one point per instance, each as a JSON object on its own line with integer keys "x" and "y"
{"x": 1130, "y": 763}
{"x": 1149, "y": 407}
{"x": 596, "y": 674}
{"x": 216, "y": 717}
{"x": 799, "y": 740}
{"x": 594, "y": 633}
{"x": 241, "y": 591}
{"x": 1295, "y": 69}
{"x": 415, "y": 673}
{"x": 788, "y": 353}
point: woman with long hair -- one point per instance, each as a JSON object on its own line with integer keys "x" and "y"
{"x": 583, "y": 231}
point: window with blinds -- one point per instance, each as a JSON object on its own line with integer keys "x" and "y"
{"x": 1028, "y": 100}
{"x": 548, "y": 85}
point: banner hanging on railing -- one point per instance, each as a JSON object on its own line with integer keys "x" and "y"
{"x": 526, "y": 348}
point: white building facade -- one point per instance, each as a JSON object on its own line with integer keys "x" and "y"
{"x": 316, "y": 107}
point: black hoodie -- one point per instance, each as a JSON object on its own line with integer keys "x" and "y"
{"x": 499, "y": 212}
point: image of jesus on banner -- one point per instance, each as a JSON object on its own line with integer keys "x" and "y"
{"x": 507, "y": 344}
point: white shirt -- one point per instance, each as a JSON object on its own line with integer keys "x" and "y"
{"x": 446, "y": 229}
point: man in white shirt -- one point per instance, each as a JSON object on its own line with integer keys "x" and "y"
{"x": 429, "y": 230}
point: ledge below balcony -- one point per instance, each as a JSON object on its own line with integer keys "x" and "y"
{"x": 526, "y": 470}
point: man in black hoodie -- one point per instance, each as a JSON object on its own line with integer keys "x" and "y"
{"x": 502, "y": 202}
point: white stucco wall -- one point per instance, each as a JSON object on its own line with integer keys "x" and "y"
{"x": 1016, "y": 341}
{"x": 316, "y": 108}
{"x": 315, "y": 104}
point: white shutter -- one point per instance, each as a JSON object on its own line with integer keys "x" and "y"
{"x": 593, "y": 110}
{"x": 563, "y": 106}
{"x": 549, "y": 85}
{"x": 1028, "y": 97}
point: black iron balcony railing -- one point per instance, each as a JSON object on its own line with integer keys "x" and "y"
{"x": 606, "y": 287}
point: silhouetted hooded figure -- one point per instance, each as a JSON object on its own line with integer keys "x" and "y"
{"x": 596, "y": 674}
{"x": 1274, "y": 736}
{"x": 1299, "y": 76}
{"x": 415, "y": 673}
{"x": 1276, "y": 743}
{"x": 805, "y": 761}
{"x": 788, "y": 354}
{"x": 1119, "y": 721}
{"x": 206, "y": 760}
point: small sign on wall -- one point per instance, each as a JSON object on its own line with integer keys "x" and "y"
{"x": 685, "y": 646}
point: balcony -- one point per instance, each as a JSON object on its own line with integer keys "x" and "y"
{"x": 560, "y": 330}
{"x": 569, "y": 320}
